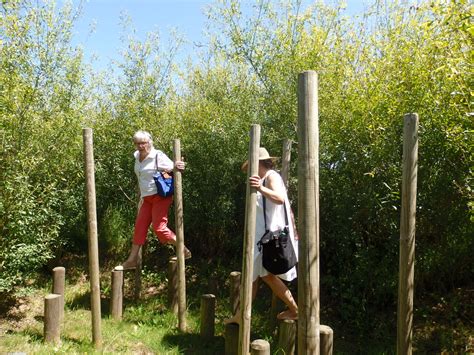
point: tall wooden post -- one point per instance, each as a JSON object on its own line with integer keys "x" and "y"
{"x": 277, "y": 304}
{"x": 285, "y": 161}
{"x": 308, "y": 213}
{"x": 249, "y": 240}
{"x": 92, "y": 236}
{"x": 178, "y": 213}
{"x": 407, "y": 235}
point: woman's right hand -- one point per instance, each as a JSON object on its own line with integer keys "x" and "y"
{"x": 180, "y": 165}
{"x": 255, "y": 182}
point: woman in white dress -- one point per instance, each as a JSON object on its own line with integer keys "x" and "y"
{"x": 269, "y": 184}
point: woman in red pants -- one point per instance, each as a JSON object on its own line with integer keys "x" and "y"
{"x": 153, "y": 208}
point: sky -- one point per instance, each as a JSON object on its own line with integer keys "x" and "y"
{"x": 103, "y": 16}
{"x": 185, "y": 16}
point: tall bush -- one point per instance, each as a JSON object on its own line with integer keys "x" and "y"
{"x": 41, "y": 78}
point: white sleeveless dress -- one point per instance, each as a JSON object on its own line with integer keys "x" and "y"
{"x": 275, "y": 217}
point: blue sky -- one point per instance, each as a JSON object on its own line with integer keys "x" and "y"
{"x": 185, "y": 16}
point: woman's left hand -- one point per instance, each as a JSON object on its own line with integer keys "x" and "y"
{"x": 179, "y": 164}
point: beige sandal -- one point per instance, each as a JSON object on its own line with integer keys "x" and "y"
{"x": 287, "y": 315}
{"x": 187, "y": 254}
{"x": 129, "y": 265}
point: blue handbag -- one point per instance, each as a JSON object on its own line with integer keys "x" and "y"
{"x": 163, "y": 181}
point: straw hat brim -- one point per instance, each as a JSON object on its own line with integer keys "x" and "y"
{"x": 246, "y": 163}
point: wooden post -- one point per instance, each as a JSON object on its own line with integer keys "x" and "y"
{"x": 52, "y": 311}
{"x": 92, "y": 236}
{"x": 234, "y": 291}
{"x": 59, "y": 279}
{"x": 231, "y": 339}
{"x": 178, "y": 212}
{"x": 260, "y": 347}
{"x": 249, "y": 240}
{"x": 208, "y": 311}
{"x": 137, "y": 279}
{"x": 326, "y": 336}
{"x": 407, "y": 235}
{"x": 285, "y": 161}
{"x": 116, "y": 302}
{"x": 308, "y": 213}
{"x": 277, "y": 304}
{"x": 173, "y": 284}
{"x": 287, "y": 337}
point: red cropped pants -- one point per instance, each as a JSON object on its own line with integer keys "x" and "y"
{"x": 154, "y": 210}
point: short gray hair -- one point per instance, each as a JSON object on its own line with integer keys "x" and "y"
{"x": 143, "y": 135}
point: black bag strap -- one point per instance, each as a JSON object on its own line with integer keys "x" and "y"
{"x": 265, "y": 207}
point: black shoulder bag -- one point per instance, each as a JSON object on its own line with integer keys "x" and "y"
{"x": 278, "y": 255}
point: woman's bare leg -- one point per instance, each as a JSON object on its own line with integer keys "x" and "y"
{"x": 187, "y": 252}
{"x": 283, "y": 293}
{"x": 132, "y": 259}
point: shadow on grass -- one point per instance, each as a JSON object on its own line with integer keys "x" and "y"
{"x": 33, "y": 334}
{"x": 83, "y": 301}
{"x": 38, "y": 337}
{"x": 195, "y": 344}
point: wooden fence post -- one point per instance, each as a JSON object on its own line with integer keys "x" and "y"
{"x": 231, "y": 339}
{"x": 173, "y": 284}
{"x": 277, "y": 304}
{"x": 59, "y": 280}
{"x": 287, "y": 337}
{"x": 178, "y": 213}
{"x": 208, "y": 311}
{"x": 137, "y": 275}
{"x": 249, "y": 240}
{"x": 326, "y": 336}
{"x": 407, "y": 235}
{"x": 52, "y": 310}
{"x": 92, "y": 237}
{"x": 116, "y": 301}
{"x": 285, "y": 161}
{"x": 260, "y": 347}
{"x": 234, "y": 291}
{"x": 308, "y": 214}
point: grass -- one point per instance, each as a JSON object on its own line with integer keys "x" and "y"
{"x": 148, "y": 327}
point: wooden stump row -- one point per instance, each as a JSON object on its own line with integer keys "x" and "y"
{"x": 286, "y": 340}
{"x": 54, "y": 314}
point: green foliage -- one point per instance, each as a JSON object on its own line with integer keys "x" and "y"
{"x": 41, "y": 77}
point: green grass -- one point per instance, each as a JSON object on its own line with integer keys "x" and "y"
{"x": 148, "y": 327}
